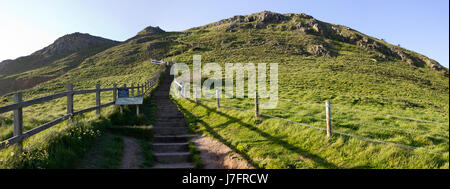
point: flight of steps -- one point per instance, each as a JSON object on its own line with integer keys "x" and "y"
{"x": 171, "y": 135}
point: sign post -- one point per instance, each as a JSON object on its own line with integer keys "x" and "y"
{"x": 125, "y": 99}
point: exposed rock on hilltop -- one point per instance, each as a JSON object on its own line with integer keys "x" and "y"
{"x": 307, "y": 25}
{"x": 151, "y": 30}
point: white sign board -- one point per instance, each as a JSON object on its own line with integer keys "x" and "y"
{"x": 130, "y": 101}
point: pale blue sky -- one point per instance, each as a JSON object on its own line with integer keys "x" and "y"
{"x": 27, "y": 26}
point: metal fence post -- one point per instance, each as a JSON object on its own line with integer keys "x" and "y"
{"x": 18, "y": 119}
{"x": 256, "y": 105}
{"x": 97, "y": 99}
{"x": 182, "y": 89}
{"x": 328, "y": 112}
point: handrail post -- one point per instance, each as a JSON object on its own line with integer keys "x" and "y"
{"x": 256, "y": 105}
{"x": 132, "y": 90}
{"x": 182, "y": 89}
{"x": 328, "y": 112}
{"x": 18, "y": 119}
{"x": 218, "y": 98}
{"x": 97, "y": 99}
{"x": 70, "y": 101}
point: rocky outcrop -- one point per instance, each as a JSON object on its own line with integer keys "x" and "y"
{"x": 318, "y": 50}
{"x": 308, "y": 25}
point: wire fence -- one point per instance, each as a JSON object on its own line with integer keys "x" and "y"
{"x": 367, "y": 139}
{"x": 364, "y": 111}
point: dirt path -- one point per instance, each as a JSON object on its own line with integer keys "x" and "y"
{"x": 216, "y": 155}
{"x": 132, "y": 156}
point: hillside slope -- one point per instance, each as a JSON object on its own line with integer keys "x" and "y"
{"x": 377, "y": 90}
{"x": 318, "y": 61}
{"x": 50, "y": 62}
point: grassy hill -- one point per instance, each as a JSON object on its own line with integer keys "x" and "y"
{"x": 318, "y": 61}
{"x": 64, "y": 54}
{"x": 365, "y": 79}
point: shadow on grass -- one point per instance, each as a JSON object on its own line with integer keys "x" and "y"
{"x": 274, "y": 139}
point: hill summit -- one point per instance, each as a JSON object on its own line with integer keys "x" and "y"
{"x": 64, "y": 54}
{"x": 151, "y": 30}
{"x": 72, "y": 43}
{"x": 307, "y": 25}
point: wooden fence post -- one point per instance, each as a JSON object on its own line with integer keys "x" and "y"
{"x": 18, "y": 119}
{"x": 70, "y": 101}
{"x": 256, "y": 105}
{"x": 114, "y": 92}
{"x": 218, "y": 98}
{"x": 328, "y": 112}
{"x": 97, "y": 99}
{"x": 132, "y": 90}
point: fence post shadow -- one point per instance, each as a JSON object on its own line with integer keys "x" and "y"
{"x": 276, "y": 140}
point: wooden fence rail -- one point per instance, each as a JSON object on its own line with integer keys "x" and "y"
{"x": 19, "y": 135}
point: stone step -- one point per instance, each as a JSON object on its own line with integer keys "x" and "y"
{"x": 167, "y": 107}
{"x": 173, "y": 166}
{"x": 170, "y": 130}
{"x": 170, "y": 147}
{"x": 169, "y": 138}
{"x": 169, "y": 117}
{"x": 169, "y": 112}
{"x": 170, "y": 124}
{"x": 172, "y": 157}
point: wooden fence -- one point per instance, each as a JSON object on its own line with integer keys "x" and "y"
{"x": 19, "y": 104}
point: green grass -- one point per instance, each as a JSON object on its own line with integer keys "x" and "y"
{"x": 195, "y": 155}
{"x": 58, "y": 147}
{"x": 146, "y": 150}
{"x": 272, "y": 143}
{"x": 105, "y": 154}
{"x": 356, "y": 79}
